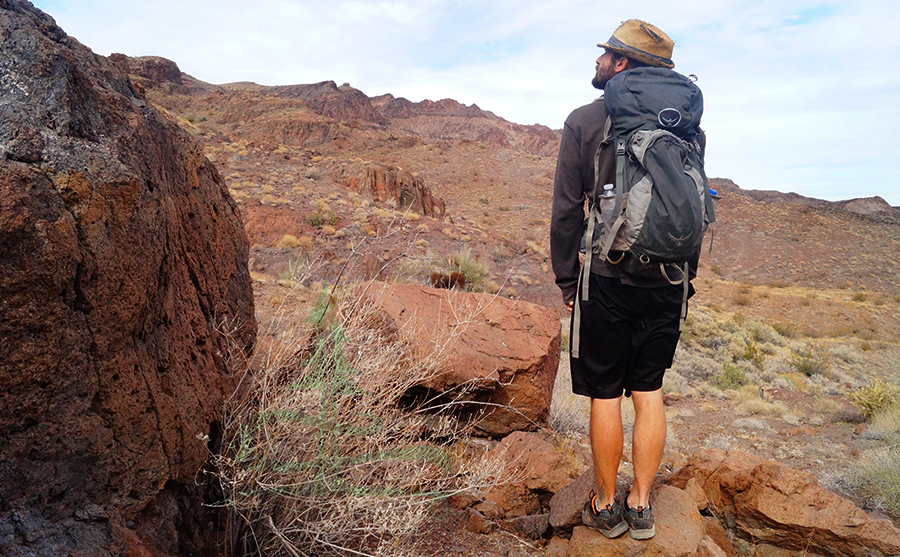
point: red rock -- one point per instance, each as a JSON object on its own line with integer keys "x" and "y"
{"x": 530, "y": 527}
{"x": 501, "y": 356}
{"x": 490, "y": 509}
{"x": 556, "y": 548}
{"x": 476, "y": 522}
{"x": 465, "y": 499}
{"x": 122, "y": 260}
{"x": 771, "y": 504}
{"x": 567, "y": 503}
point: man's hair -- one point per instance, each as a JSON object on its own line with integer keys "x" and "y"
{"x": 632, "y": 63}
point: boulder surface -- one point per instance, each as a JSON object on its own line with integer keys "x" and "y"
{"x": 123, "y": 263}
{"x": 499, "y": 356}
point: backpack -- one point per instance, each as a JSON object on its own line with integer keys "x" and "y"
{"x": 653, "y": 219}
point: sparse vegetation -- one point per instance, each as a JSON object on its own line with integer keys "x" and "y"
{"x": 321, "y": 459}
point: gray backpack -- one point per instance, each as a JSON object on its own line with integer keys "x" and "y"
{"x": 652, "y": 220}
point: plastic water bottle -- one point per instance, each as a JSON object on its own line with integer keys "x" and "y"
{"x": 608, "y": 205}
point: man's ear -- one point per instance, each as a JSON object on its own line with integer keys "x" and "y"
{"x": 621, "y": 64}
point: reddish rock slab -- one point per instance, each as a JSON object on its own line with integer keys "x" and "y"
{"x": 500, "y": 355}
{"x": 765, "y": 502}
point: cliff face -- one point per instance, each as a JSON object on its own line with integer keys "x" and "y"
{"x": 122, "y": 260}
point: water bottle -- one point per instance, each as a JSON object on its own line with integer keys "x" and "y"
{"x": 608, "y": 205}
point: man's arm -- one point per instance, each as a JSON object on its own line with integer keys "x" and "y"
{"x": 567, "y": 219}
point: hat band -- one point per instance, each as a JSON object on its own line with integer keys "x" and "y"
{"x": 616, "y": 43}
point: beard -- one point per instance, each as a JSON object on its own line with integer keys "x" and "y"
{"x": 602, "y": 76}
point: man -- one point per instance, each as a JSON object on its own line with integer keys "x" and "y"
{"x": 630, "y": 324}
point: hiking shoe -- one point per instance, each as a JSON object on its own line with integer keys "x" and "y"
{"x": 640, "y": 521}
{"x": 609, "y": 521}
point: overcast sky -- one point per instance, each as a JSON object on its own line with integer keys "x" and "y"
{"x": 801, "y": 95}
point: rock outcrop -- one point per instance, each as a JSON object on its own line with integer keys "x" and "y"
{"x": 122, "y": 263}
{"x": 395, "y": 186}
{"x": 765, "y": 505}
{"x": 501, "y": 356}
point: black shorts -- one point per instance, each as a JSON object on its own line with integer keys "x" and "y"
{"x": 628, "y": 338}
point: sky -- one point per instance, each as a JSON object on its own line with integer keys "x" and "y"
{"x": 800, "y": 95}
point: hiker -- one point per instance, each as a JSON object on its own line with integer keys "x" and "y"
{"x": 629, "y": 322}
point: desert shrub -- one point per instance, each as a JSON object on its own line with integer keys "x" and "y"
{"x": 875, "y": 397}
{"x": 765, "y": 333}
{"x": 753, "y": 354}
{"x": 697, "y": 369}
{"x": 751, "y": 423}
{"x": 786, "y": 330}
{"x": 846, "y": 353}
{"x": 760, "y": 407}
{"x": 885, "y": 423}
{"x": 319, "y": 458}
{"x": 859, "y": 297}
{"x": 320, "y": 218}
{"x": 289, "y": 241}
{"x": 731, "y": 378}
{"x": 472, "y": 269}
{"x": 878, "y": 477}
{"x": 568, "y": 411}
{"x": 809, "y": 361}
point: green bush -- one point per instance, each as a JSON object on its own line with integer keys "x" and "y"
{"x": 875, "y": 397}
{"x": 753, "y": 354}
{"x": 810, "y": 361}
{"x": 731, "y": 378}
{"x": 318, "y": 219}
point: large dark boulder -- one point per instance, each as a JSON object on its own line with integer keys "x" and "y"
{"x": 123, "y": 262}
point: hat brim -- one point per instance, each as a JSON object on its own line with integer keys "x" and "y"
{"x": 639, "y": 55}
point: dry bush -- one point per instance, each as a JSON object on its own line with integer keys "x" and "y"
{"x": 569, "y": 412}
{"x": 846, "y": 353}
{"x": 885, "y": 423}
{"x": 320, "y": 458}
{"x": 760, "y": 407}
{"x": 877, "y": 476}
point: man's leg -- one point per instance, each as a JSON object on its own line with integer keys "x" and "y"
{"x": 648, "y": 443}
{"x": 606, "y": 446}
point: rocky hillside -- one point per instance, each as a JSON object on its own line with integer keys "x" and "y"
{"x": 295, "y": 151}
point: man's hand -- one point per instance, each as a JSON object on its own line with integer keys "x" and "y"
{"x": 570, "y": 305}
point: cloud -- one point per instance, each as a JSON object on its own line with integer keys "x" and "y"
{"x": 797, "y": 93}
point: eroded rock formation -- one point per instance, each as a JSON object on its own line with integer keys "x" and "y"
{"x": 122, "y": 262}
{"x": 394, "y": 186}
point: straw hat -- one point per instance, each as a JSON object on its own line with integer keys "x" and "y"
{"x": 643, "y": 42}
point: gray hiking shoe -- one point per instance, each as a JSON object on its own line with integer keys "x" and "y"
{"x": 609, "y": 521}
{"x": 640, "y": 521}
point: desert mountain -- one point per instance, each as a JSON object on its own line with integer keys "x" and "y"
{"x": 291, "y": 151}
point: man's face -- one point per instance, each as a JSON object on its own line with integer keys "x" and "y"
{"x": 606, "y": 69}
